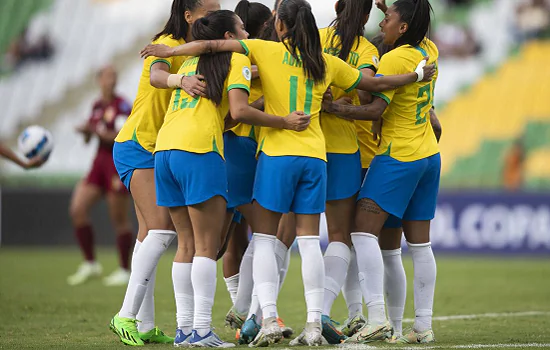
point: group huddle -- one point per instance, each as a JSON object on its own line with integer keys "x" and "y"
{"x": 263, "y": 120}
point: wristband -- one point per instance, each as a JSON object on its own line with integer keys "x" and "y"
{"x": 420, "y": 70}
{"x": 174, "y": 80}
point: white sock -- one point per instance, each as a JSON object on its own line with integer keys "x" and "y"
{"x": 255, "y": 308}
{"x": 371, "y": 269}
{"x": 232, "y": 284}
{"x": 281, "y": 252}
{"x": 203, "y": 276}
{"x": 313, "y": 275}
{"x": 395, "y": 287}
{"x": 425, "y": 272}
{"x": 336, "y": 261}
{"x": 143, "y": 265}
{"x": 183, "y": 291}
{"x": 246, "y": 281}
{"x": 284, "y": 268}
{"x": 146, "y": 312}
{"x": 266, "y": 276}
{"x": 351, "y": 289}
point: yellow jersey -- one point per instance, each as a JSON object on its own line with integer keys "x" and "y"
{"x": 151, "y": 103}
{"x": 197, "y": 124}
{"x": 247, "y": 130}
{"x": 287, "y": 89}
{"x": 407, "y": 134}
{"x": 341, "y": 134}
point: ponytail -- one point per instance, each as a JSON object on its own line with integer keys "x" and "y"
{"x": 417, "y": 14}
{"x": 302, "y": 39}
{"x": 349, "y": 24}
{"x": 254, "y": 16}
{"x": 177, "y": 26}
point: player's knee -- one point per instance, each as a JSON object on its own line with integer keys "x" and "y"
{"x": 339, "y": 234}
{"x": 78, "y": 214}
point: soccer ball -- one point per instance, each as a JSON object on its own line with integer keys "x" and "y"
{"x": 35, "y": 141}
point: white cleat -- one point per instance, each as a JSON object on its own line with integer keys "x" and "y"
{"x": 85, "y": 271}
{"x": 211, "y": 340}
{"x": 269, "y": 334}
{"x": 310, "y": 336}
{"x": 119, "y": 277}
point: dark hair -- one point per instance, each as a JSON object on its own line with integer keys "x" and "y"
{"x": 378, "y": 42}
{"x": 268, "y": 32}
{"x": 349, "y": 24}
{"x": 214, "y": 67}
{"x": 417, "y": 14}
{"x": 303, "y": 37}
{"x": 177, "y": 26}
{"x": 276, "y": 6}
{"x": 254, "y": 16}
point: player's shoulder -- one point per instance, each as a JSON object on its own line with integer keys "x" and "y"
{"x": 169, "y": 40}
{"x": 239, "y": 58}
{"x": 368, "y": 48}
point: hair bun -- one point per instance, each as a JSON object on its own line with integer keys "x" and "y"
{"x": 205, "y": 21}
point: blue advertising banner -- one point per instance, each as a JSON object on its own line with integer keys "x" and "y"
{"x": 488, "y": 223}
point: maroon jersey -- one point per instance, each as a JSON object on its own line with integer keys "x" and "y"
{"x": 110, "y": 116}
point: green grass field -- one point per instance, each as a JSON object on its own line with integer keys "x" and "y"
{"x": 38, "y": 310}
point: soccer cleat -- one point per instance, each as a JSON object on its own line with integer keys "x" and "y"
{"x": 310, "y": 336}
{"x": 155, "y": 336}
{"x": 85, "y": 271}
{"x": 181, "y": 340}
{"x": 287, "y": 331}
{"x": 211, "y": 340}
{"x": 393, "y": 338}
{"x": 234, "y": 320}
{"x": 126, "y": 329}
{"x": 350, "y": 327}
{"x": 269, "y": 334}
{"x": 369, "y": 333}
{"x": 414, "y": 337}
{"x": 330, "y": 332}
{"x": 250, "y": 330}
{"x": 119, "y": 277}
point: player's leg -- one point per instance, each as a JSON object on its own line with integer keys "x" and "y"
{"x": 309, "y": 202}
{"x": 395, "y": 280}
{"x": 181, "y": 275}
{"x": 118, "y": 203}
{"x": 84, "y": 197}
{"x": 236, "y": 246}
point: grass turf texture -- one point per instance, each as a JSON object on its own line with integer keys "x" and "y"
{"x": 39, "y": 310}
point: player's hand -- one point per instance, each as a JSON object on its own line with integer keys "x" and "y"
{"x": 327, "y": 100}
{"x": 381, "y": 4}
{"x": 194, "y": 86}
{"x": 377, "y": 131}
{"x": 297, "y": 121}
{"x": 344, "y": 101}
{"x": 157, "y": 50}
{"x": 230, "y": 123}
{"x": 34, "y": 162}
{"x": 84, "y": 129}
{"x": 425, "y": 72}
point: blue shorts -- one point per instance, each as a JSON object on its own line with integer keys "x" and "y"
{"x": 343, "y": 175}
{"x": 184, "y": 178}
{"x": 240, "y": 158}
{"x": 129, "y": 156}
{"x": 392, "y": 221}
{"x": 291, "y": 184}
{"x": 407, "y": 190}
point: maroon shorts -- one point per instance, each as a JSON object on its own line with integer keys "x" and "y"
{"x": 104, "y": 175}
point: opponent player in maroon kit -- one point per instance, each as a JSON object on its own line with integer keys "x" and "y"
{"x": 108, "y": 115}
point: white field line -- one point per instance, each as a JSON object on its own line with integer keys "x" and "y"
{"x": 487, "y": 315}
{"x": 466, "y": 346}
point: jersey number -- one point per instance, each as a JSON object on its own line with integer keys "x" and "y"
{"x": 294, "y": 95}
{"x": 426, "y": 89}
{"x": 184, "y": 103}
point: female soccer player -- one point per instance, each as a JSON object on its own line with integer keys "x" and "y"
{"x": 135, "y": 163}
{"x": 108, "y": 114}
{"x": 403, "y": 179}
{"x": 344, "y": 38}
{"x": 190, "y": 171}
{"x": 291, "y": 174}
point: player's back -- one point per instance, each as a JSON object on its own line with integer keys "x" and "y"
{"x": 407, "y": 134}
{"x": 151, "y": 103}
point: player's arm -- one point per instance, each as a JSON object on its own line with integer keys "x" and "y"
{"x": 8, "y": 154}
{"x": 258, "y": 104}
{"x": 86, "y": 132}
{"x": 344, "y": 109}
{"x": 436, "y": 125}
{"x": 161, "y": 78}
{"x": 422, "y": 72}
{"x": 242, "y": 112}
{"x": 192, "y": 49}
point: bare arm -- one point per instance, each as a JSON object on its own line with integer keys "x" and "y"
{"x": 258, "y": 104}
{"x": 160, "y": 74}
{"x": 371, "y": 111}
{"x": 391, "y": 82}
{"x": 7, "y": 153}
{"x": 160, "y": 71}
{"x": 436, "y": 125}
{"x": 195, "y": 48}
{"x": 106, "y": 136}
{"x": 242, "y": 112}
{"x": 364, "y": 96}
